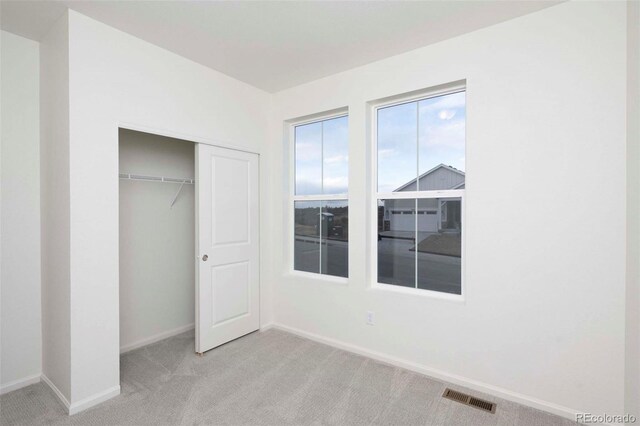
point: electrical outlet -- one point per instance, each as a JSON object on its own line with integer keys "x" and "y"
{"x": 370, "y": 318}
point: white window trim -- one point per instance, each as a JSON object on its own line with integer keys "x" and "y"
{"x": 292, "y": 198}
{"x": 318, "y": 277}
{"x": 374, "y": 196}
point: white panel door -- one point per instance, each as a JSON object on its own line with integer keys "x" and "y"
{"x": 227, "y": 293}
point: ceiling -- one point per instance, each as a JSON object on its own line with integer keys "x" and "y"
{"x": 274, "y": 45}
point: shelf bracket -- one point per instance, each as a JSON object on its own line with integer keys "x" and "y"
{"x": 175, "y": 197}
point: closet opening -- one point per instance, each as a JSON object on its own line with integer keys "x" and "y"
{"x": 157, "y": 230}
{"x": 189, "y": 244}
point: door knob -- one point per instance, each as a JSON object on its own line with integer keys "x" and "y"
{"x": 205, "y": 257}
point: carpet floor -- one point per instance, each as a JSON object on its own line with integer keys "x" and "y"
{"x": 264, "y": 378}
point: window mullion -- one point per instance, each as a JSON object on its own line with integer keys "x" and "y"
{"x": 450, "y": 193}
{"x": 415, "y": 242}
{"x": 320, "y": 241}
{"x": 322, "y": 157}
{"x": 415, "y": 239}
{"x": 322, "y": 192}
{"x": 327, "y": 197}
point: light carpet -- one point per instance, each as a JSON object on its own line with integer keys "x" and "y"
{"x": 265, "y": 378}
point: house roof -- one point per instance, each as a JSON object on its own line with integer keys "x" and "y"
{"x": 428, "y": 172}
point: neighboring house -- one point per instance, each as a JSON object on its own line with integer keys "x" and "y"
{"x": 434, "y": 215}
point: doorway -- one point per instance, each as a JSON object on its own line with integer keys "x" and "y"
{"x": 157, "y": 239}
{"x": 189, "y": 241}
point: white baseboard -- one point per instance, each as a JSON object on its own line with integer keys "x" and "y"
{"x": 85, "y": 403}
{"x": 156, "y": 338}
{"x": 18, "y": 384}
{"x": 267, "y": 326}
{"x": 93, "y": 400}
{"x": 55, "y": 390}
{"x": 437, "y": 374}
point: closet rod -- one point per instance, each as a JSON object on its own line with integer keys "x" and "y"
{"x": 183, "y": 181}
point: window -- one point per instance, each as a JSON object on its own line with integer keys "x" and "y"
{"x": 420, "y": 180}
{"x": 320, "y": 206}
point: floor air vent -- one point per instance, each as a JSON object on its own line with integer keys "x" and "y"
{"x": 472, "y": 401}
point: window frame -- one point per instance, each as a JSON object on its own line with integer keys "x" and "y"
{"x": 292, "y": 197}
{"x": 374, "y": 195}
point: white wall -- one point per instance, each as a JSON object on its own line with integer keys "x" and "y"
{"x": 543, "y": 320}
{"x": 544, "y": 301}
{"x": 115, "y": 79}
{"x": 632, "y": 403}
{"x": 54, "y": 203}
{"x": 21, "y": 336}
{"x": 157, "y": 240}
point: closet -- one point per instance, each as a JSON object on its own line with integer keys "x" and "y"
{"x": 157, "y": 237}
{"x": 189, "y": 241}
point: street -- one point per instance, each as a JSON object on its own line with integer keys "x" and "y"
{"x": 396, "y": 263}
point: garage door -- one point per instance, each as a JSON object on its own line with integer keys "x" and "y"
{"x": 428, "y": 221}
{"x": 405, "y": 221}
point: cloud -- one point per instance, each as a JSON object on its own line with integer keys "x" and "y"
{"x": 307, "y": 151}
{"x": 446, "y": 114}
{"x": 307, "y": 187}
{"x": 452, "y": 101}
{"x": 449, "y": 134}
{"x": 386, "y": 153}
{"x": 337, "y": 159}
{"x": 337, "y": 185}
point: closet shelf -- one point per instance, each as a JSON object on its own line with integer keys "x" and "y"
{"x": 181, "y": 181}
{"x": 129, "y": 176}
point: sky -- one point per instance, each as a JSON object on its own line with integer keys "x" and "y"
{"x": 413, "y": 138}
{"x": 417, "y": 136}
{"x": 322, "y": 157}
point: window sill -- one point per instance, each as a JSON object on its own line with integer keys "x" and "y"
{"x": 327, "y": 279}
{"x": 430, "y": 294}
